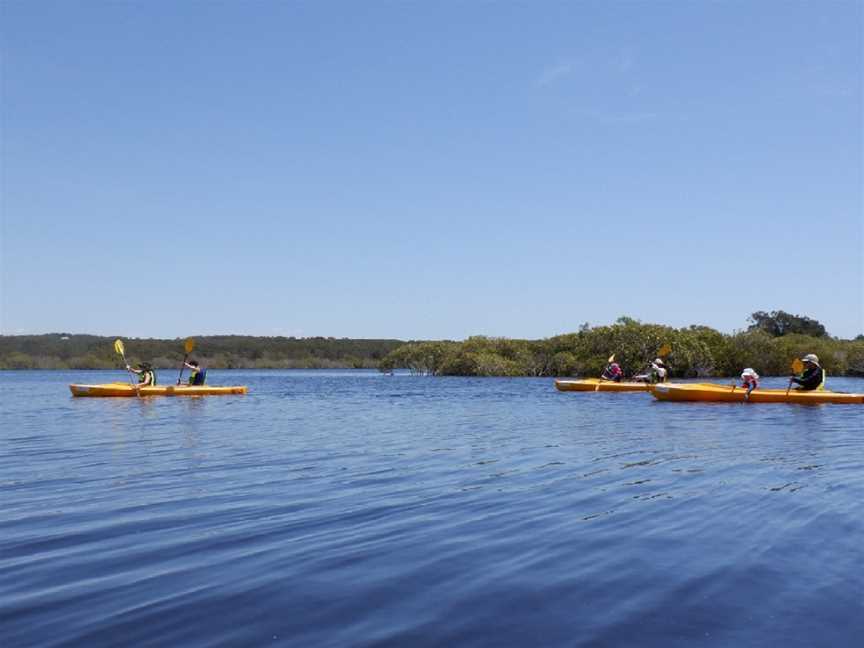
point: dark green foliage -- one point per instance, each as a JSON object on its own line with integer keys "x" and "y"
{"x": 779, "y": 323}
{"x": 696, "y": 351}
{"x": 65, "y": 351}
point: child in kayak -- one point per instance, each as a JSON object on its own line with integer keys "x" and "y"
{"x": 199, "y": 373}
{"x": 146, "y": 375}
{"x": 749, "y": 381}
{"x": 813, "y": 376}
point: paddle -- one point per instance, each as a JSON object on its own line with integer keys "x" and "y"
{"x": 797, "y": 368}
{"x": 121, "y": 351}
{"x": 188, "y": 346}
{"x": 608, "y": 362}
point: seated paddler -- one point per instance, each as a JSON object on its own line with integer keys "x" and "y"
{"x": 749, "y": 380}
{"x": 198, "y": 375}
{"x": 612, "y": 371}
{"x": 146, "y": 374}
{"x": 813, "y": 376}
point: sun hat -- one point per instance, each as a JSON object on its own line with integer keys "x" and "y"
{"x": 811, "y": 357}
{"x": 749, "y": 372}
{"x": 659, "y": 361}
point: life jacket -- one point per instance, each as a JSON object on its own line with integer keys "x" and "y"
{"x": 821, "y": 386}
{"x": 142, "y": 378}
{"x": 750, "y": 380}
{"x": 198, "y": 376}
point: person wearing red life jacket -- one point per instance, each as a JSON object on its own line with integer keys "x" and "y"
{"x": 749, "y": 381}
{"x": 612, "y": 372}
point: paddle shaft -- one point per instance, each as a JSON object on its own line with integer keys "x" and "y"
{"x": 128, "y": 370}
{"x": 182, "y": 367}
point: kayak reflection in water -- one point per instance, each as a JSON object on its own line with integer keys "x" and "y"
{"x": 146, "y": 374}
{"x": 199, "y": 373}
{"x": 749, "y": 381}
{"x": 813, "y": 376}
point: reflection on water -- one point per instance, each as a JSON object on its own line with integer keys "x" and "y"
{"x": 347, "y": 508}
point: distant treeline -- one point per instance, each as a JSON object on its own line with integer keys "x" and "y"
{"x": 67, "y": 351}
{"x": 769, "y": 346}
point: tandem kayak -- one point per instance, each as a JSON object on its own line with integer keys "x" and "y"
{"x": 595, "y": 384}
{"x": 709, "y": 392}
{"x": 125, "y": 389}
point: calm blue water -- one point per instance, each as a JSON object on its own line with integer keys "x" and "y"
{"x": 354, "y": 509}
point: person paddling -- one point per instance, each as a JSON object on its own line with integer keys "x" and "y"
{"x": 813, "y": 376}
{"x": 749, "y": 381}
{"x": 658, "y": 371}
{"x": 612, "y": 371}
{"x": 146, "y": 374}
{"x": 199, "y": 373}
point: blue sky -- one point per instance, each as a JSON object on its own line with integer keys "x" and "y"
{"x": 428, "y": 170}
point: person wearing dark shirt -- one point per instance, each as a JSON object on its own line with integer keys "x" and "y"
{"x": 198, "y": 375}
{"x": 813, "y": 376}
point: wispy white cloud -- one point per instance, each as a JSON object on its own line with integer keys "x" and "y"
{"x": 625, "y": 62}
{"x": 553, "y": 73}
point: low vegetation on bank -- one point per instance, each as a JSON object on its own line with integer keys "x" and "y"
{"x": 769, "y": 345}
{"x": 65, "y": 351}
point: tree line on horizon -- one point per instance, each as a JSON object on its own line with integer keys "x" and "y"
{"x": 768, "y": 345}
{"x": 67, "y": 351}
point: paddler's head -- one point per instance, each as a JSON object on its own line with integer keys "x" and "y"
{"x": 811, "y": 359}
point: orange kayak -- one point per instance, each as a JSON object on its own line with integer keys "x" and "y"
{"x": 595, "y": 384}
{"x": 125, "y": 389}
{"x": 709, "y": 392}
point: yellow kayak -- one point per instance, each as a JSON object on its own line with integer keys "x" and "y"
{"x": 708, "y": 392}
{"x": 595, "y": 384}
{"x": 126, "y": 389}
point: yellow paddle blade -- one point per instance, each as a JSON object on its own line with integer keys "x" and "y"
{"x": 664, "y": 350}
{"x": 189, "y": 344}
{"x": 797, "y": 366}
{"x": 611, "y": 358}
{"x": 119, "y": 348}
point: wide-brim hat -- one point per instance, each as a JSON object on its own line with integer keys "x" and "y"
{"x": 812, "y": 358}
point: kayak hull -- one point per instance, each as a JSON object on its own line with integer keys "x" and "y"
{"x": 595, "y": 384}
{"x": 711, "y": 393}
{"x": 125, "y": 389}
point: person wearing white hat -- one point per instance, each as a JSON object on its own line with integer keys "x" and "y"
{"x": 658, "y": 371}
{"x": 749, "y": 381}
{"x": 813, "y": 376}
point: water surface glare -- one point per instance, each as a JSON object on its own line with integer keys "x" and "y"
{"x": 354, "y": 509}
